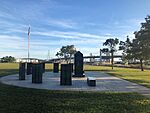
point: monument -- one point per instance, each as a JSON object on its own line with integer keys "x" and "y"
{"x": 22, "y": 71}
{"x": 29, "y": 68}
{"x": 78, "y": 65}
{"x": 66, "y": 75}
{"x": 37, "y": 72}
{"x": 43, "y": 67}
{"x": 56, "y": 67}
{"x": 71, "y": 64}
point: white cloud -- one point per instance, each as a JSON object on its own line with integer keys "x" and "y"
{"x": 62, "y": 23}
{"x": 88, "y": 50}
{"x": 69, "y": 35}
{"x": 14, "y": 21}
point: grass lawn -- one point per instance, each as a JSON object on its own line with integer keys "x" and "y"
{"x": 8, "y": 68}
{"x": 134, "y": 75}
{"x": 23, "y": 100}
{"x": 12, "y": 68}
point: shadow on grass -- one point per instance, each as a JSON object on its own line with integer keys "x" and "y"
{"x": 23, "y": 100}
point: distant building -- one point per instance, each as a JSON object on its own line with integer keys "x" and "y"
{"x": 28, "y": 60}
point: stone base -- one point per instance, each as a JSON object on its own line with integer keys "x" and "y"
{"x": 91, "y": 81}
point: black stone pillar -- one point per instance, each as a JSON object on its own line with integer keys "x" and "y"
{"x": 43, "y": 67}
{"x": 71, "y": 64}
{"x": 22, "y": 71}
{"x": 56, "y": 67}
{"x": 29, "y": 68}
{"x": 78, "y": 65}
{"x": 65, "y": 77}
{"x": 37, "y": 72}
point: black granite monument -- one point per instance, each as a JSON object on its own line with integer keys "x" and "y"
{"x": 56, "y": 67}
{"x": 43, "y": 67}
{"x": 71, "y": 64}
{"x": 78, "y": 65}
{"x": 22, "y": 71}
{"x": 29, "y": 68}
{"x": 66, "y": 76}
{"x": 37, "y": 72}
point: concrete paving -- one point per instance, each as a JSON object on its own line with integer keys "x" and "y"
{"x": 104, "y": 82}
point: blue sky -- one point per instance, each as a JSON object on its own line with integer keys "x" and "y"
{"x": 54, "y": 23}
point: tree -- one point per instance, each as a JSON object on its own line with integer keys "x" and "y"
{"x": 104, "y": 50}
{"x": 8, "y": 59}
{"x": 111, "y": 43}
{"x": 141, "y": 44}
{"x": 67, "y": 52}
{"x": 125, "y": 46}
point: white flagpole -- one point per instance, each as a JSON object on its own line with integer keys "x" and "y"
{"x": 28, "y": 43}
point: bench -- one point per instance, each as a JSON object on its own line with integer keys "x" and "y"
{"x": 91, "y": 81}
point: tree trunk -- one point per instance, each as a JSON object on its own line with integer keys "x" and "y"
{"x": 141, "y": 62}
{"x": 112, "y": 60}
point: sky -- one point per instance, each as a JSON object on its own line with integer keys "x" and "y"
{"x": 56, "y": 23}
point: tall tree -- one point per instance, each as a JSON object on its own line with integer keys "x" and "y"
{"x": 111, "y": 43}
{"x": 125, "y": 46}
{"x": 67, "y": 52}
{"x": 104, "y": 50}
{"x": 141, "y": 43}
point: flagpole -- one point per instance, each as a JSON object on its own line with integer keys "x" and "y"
{"x": 29, "y": 44}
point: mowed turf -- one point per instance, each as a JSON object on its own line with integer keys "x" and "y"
{"x": 8, "y": 68}
{"x": 12, "y": 68}
{"x": 134, "y": 75}
{"x": 23, "y": 100}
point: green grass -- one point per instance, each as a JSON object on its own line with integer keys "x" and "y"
{"x": 134, "y": 75}
{"x": 23, "y": 100}
{"x": 12, "y": 68}
{"x": 96, "y": 68}
{"x": 8, "y": 68}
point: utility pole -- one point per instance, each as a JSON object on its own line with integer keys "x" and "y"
{"x": 29, "y": 44}
{"x": 48, "y": 57}
{"x": 100, "y": 57}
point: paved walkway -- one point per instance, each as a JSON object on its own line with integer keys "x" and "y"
{"x": 104, "y": 82}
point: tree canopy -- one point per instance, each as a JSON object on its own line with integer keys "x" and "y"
{"x": 139, "y": 47}
{"x": 125, "y": 46}
{"x": 8, "y": 59}
{"x": 111, "y": 44}
{"x": 67, "y": 52}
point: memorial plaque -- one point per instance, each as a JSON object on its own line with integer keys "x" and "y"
{"x": 78, "y": 64}
{"x": 37, "y": 73}
{"x": 56, "y": 67}
{"x": 22, "y": 71}
{"x": 66, "y": 76}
